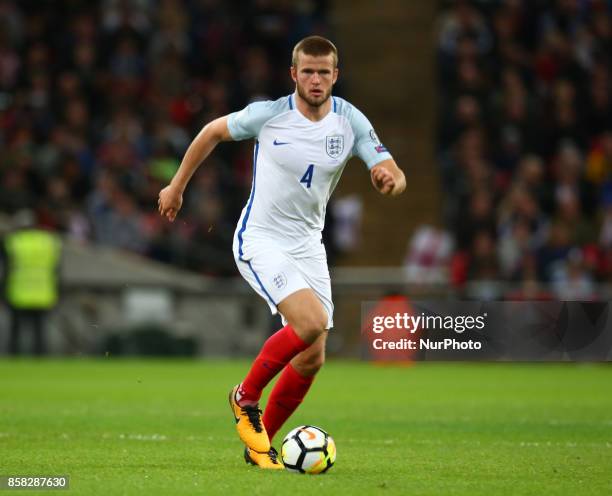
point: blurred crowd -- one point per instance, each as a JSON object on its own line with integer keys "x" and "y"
{"x": 525, "y": 144}
{"x": 99, "y": 101}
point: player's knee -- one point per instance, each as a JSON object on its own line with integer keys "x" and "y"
{"x": 310, "y": 326}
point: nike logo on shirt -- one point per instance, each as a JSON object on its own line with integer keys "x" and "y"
{"x": 277, "y": 143}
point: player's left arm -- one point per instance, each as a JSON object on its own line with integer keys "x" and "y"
{"x": 388, "y": 178}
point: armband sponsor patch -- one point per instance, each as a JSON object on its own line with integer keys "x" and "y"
{"x": 381, "y": 148}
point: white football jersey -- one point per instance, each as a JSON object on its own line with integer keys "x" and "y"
{"x": 296, "y": 166}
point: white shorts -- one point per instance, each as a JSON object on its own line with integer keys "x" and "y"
{"x": 274, "y": 275}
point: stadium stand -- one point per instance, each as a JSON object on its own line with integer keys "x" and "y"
{"x": 525, "y": 144}
{"x": 99, "y": 100}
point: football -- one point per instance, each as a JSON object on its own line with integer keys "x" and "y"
{"x": 308, "y": 450}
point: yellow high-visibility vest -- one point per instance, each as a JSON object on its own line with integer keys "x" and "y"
{"x": 33, "y": 258}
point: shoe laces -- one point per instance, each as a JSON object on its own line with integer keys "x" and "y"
{"x": 254, "y": 415}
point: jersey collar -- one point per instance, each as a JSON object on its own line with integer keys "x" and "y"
{"x": 292, "y": 106}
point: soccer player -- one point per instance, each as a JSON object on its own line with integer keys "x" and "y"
{"x": 302, "y": 143}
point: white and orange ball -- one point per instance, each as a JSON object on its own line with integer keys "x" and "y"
{"x": 308, "y": 450}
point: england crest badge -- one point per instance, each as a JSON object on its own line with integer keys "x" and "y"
{"x": 334, "y": 145}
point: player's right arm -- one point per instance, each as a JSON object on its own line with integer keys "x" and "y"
{"x": 171, "y": 197}
{"x": 236, "y": 126}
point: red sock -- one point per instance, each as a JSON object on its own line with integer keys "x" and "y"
{"x": 286, "y": 396}
{"x": 276, "y": 352}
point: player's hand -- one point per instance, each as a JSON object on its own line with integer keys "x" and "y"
{"x": 170, "y": 202}
{"x": 383, "y": 180}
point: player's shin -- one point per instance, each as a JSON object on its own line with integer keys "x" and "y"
{"x": 276, "y": 352}
{"x": 286, "y": 396}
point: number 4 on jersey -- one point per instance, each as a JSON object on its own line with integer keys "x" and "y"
{"x": 307, "y": 177}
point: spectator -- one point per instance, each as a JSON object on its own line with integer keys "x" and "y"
{"x": 527, "y": 145}
{"x": 97, "y": 105}
{"x": 428, "y": 257}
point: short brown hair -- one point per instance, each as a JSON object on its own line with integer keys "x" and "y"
{"x": 315, "y": 46}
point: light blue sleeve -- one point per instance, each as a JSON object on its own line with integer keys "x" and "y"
{"x": 367, "y": 145}
{"x": 247, "y": 123}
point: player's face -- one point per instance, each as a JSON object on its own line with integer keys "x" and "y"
{"x": 314, "y": 78}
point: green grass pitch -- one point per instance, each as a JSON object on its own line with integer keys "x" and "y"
{"x": 164, "y": 427}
